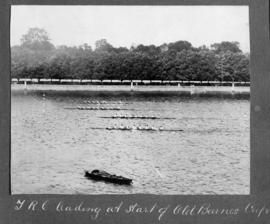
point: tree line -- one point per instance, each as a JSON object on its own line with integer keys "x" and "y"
{"x": 37, "y": 57}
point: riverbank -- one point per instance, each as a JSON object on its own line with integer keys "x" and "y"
{"x": 148, "y": 89}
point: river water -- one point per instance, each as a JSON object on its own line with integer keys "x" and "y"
{"x": 53, "y": 143}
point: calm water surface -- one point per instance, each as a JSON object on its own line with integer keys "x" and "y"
{"x": 52, "y": 145}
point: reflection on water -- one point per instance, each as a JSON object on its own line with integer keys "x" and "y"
{"x": 52, "y": 146}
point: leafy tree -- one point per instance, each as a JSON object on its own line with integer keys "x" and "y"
{"x": 226, "y": 46}
{"x": 179, "y": 46}
{"x": 147, "y": 50}
{"x": 232, "y": 67}
{"x": 103, "y": 45}
{"x": 120, "y": 50}
{"x": 36, "y": 39}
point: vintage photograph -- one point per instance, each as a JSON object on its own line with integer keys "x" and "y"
{"x": 130, "y": 100}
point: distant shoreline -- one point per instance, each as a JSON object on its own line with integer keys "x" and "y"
{"x": 126, "y": 89}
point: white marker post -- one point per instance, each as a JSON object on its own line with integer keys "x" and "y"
{"x": 233, "y": 89}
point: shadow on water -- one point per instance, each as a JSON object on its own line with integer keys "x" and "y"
{"x": 110, "y": 183}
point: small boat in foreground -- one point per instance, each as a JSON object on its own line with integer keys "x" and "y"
{"x": 100, "y": 175}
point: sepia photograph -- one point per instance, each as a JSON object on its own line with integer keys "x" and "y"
{"x": 130, "y": 100}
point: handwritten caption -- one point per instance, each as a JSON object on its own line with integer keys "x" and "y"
{"x": 155, "y": 209}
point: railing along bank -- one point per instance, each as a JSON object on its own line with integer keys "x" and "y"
{"x": 126, "y": 82}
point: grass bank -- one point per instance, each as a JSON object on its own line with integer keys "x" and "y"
{"x": 135, "y": 90}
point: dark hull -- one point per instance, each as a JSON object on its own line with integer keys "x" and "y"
{"x": 108, "y": 178}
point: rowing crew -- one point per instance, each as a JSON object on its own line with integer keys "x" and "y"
{"x": 98, "y": 108}
{"x": 103, "y": 102}
{"x": 134, "y": 116}
{"x": 147, "y": 128}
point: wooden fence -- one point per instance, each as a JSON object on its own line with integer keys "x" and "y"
{"x": 126, "y": 82}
